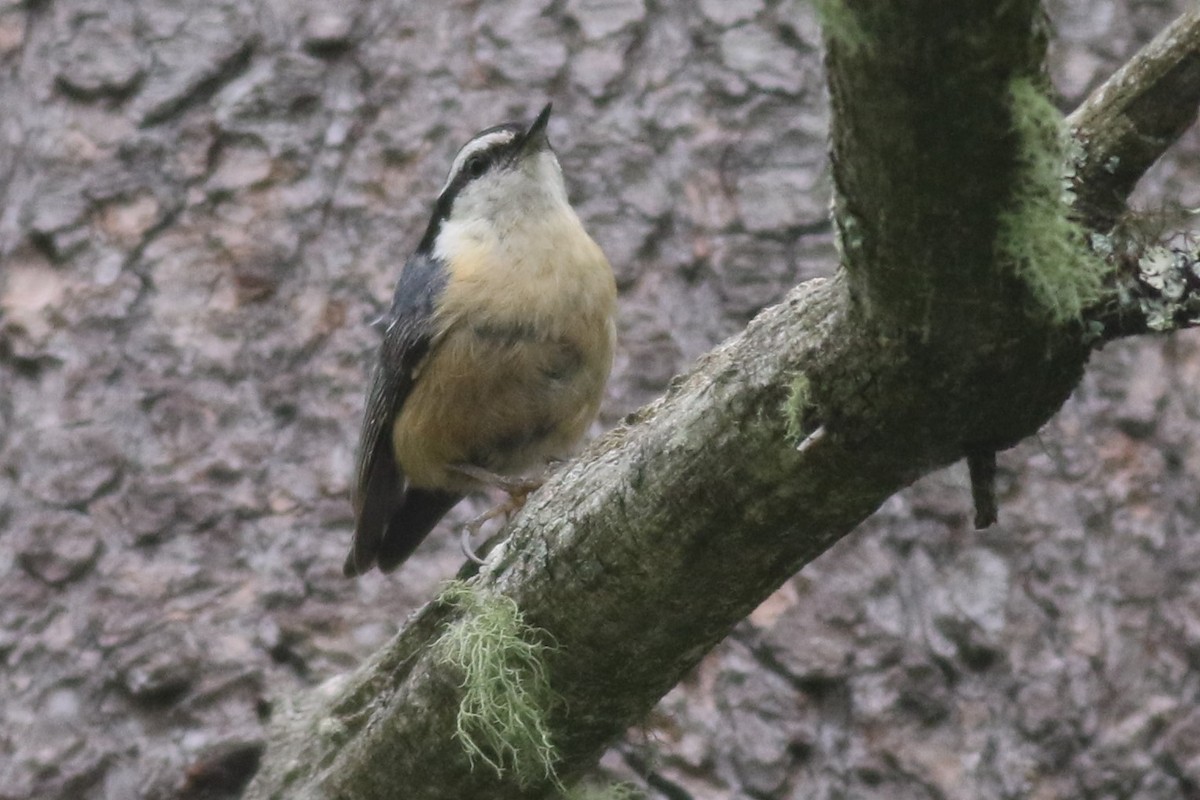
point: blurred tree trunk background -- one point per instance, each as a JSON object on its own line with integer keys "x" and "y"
{"x": 201, "y": 205}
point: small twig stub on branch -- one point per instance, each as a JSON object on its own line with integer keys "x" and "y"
{"x": 982, "y": 466}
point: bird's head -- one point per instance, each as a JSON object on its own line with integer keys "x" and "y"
{"x": 502, "y": 176}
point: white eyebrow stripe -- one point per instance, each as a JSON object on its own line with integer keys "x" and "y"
{"x": 474, "y": 146}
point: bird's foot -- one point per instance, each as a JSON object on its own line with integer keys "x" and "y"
{"x": 518, "y": 490}
{"x": 514, "y": 503}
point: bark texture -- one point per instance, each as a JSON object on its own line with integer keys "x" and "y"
{"x": 202, "y": 205}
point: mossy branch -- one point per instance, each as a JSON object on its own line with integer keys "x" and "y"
{"x": 922, "y": 178}
{"x": 1132, "y": 118}
{"x": 641, "y": 555}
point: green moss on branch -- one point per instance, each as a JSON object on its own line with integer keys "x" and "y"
{"x": 840, "y": 24}
{"x": 1038, "y": 239}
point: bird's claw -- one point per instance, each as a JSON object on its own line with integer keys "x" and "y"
{"x": 518, "y": 490}
{"x": 514, "y": 503}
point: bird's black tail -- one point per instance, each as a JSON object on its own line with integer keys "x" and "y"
{"x": 418, "y": 514}
{"x": 413, "y": 515}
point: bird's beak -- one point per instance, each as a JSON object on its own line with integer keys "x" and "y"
{"x": 535, "y": 138}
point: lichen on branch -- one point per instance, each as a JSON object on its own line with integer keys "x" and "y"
{"x": 502, "y": 716}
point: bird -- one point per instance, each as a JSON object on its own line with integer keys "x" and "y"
{"x": 496, "y": 348}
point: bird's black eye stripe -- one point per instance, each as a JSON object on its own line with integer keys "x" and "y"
{"x": 476, "y": 165}
{"x": 473, "y": 167}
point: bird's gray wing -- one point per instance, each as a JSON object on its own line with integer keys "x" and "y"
{"x": 407, "y": 335}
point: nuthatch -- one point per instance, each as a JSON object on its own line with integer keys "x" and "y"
{"x": 495, "y": 351}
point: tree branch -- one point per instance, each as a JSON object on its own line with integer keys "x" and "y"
{"x": 641, "y": 555}
{"x": 1123, "y": 127}
{"x": 1128, "y": 122}
{"x": 923, "y": 152}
